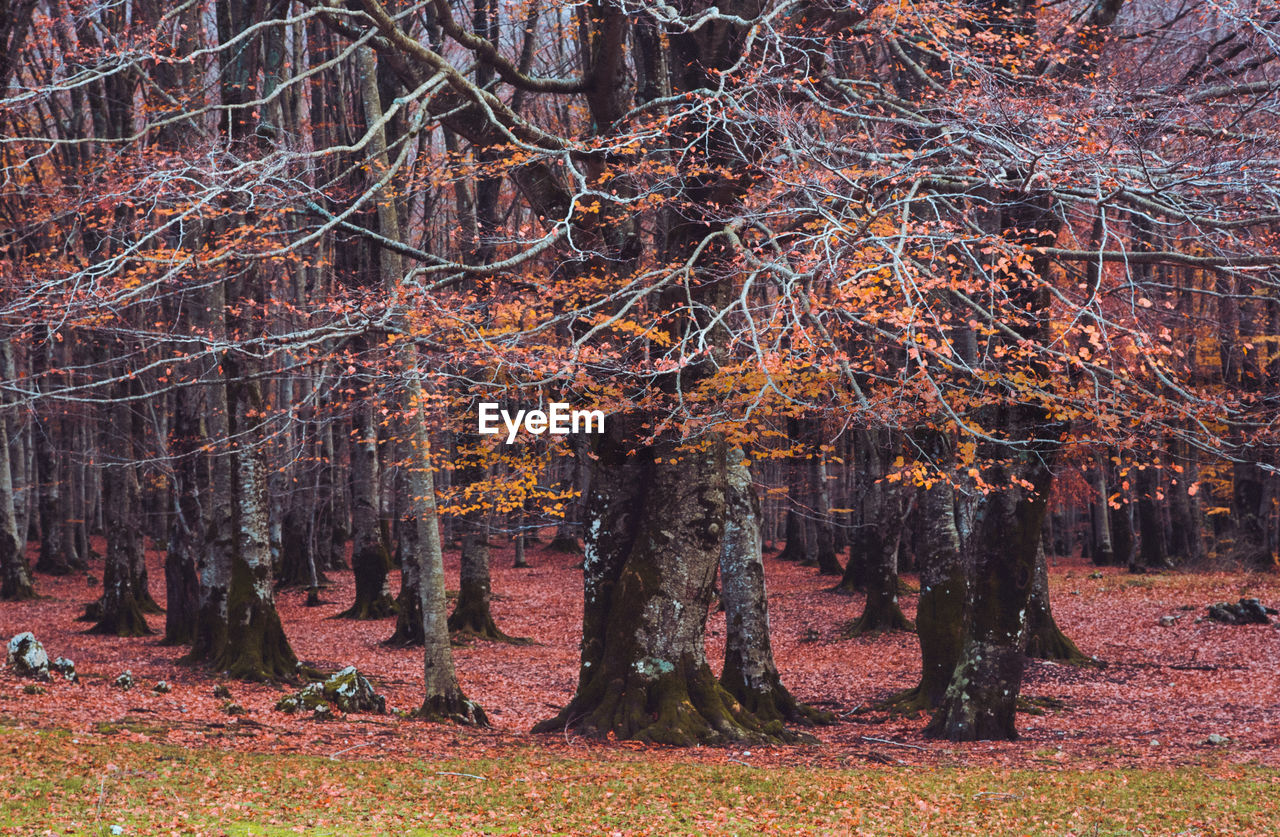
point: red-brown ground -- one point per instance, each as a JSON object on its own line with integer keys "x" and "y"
{"x": 1172, "y": 685}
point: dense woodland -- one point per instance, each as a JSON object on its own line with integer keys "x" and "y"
{"x": 937, "y": 287}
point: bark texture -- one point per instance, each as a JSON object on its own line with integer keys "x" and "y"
{"x": 654, "y": 527}
{"x": 749, "y": 672}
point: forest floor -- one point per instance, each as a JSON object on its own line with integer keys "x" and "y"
{"x": 1127, "y": 749}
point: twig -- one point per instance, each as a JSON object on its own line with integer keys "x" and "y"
{"x": 468, "y": 775}
{"x": 996, "y": 795}
{"x": 740, "y": 761}
{"x": 334, "y": 756}
{"x": 894, "y": 743}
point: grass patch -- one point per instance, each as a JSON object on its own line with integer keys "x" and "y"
{"x": 52, "y": 784}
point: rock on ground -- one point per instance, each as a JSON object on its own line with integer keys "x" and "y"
{"x": 27, "y": 656}
{"x": 347, "y": 691}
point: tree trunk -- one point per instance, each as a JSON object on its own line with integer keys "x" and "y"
{"x": 749, "y": 673}
{"x": 1103, "y": 550}
{"x": 944, "y": 588}
{"x": 15, "y": 578}
{"x": 1151, "y": 552}
{"x": 256, "y": 647}
{"x": 881, "y": 537}
{"x": 981, "y": 699}
{"x": 370, "y": 560}
{"x": 654, "y": 524}
{"x": 1045, "y": 640}
{"x": 444, "y": 699}
{"x": 119, "y": 612}
{"x": 824, "y": 539}
{"x": 186, "y": 534}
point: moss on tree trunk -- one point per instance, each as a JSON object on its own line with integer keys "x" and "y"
{"x": 749, "y": 672}
{"x": 1045, "y": 640}
{"x": 654, "y": 526}
{"x": 472, "y": 617}
{"x": 943, "y": 588}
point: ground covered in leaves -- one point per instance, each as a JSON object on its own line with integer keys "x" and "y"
{"x": 1165, "y": 689}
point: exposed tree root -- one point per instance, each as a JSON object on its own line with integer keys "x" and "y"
{"x": 126, "y": 619}
{"x": 877, "y": 620}
{"x": 677, "y": 707}
{"x": 566, "y": 544}
{"x": 452, "y": 708}
{"x": 773, "y": 703}
{"x": 909, "y": 702}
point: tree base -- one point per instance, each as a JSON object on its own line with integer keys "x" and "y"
{"x": 258, "y": 651}
{"x": 474, "y": 621}
{"x": 1050, "y": 643}
{"x": 383, "y": 607}
{"x": 452, "y": 708}
{"x": 877, "y": 620}
{"x": 126, "y": 621}
{"x": 20, "y": 593}
{"x": 981, "y": 701}
{"x": 773, "y": 702}
{"x": 54, "y": 568}
{"x": 680, "y": 707}
{"x": 566, "y": 544}
{"x": 909, "y": 703}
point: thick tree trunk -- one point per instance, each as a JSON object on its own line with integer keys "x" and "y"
{"x": 213, "y": 552}
{"x": 408, "y": 631}
{"x": 1151, "y": 552}
{"x": 1186, "y": 522}
{"x": 56, "y": 556}
{"x": 186, "y": 521}
{"x": 119, "y": 611}
{"x": 749, "y": 673}
{"x": 256, "y": 647}
{"x": 884, "y": 511}
{"x": 796, "y": 546}
{"x": 654, "y": 525}
{"x": 981, "y": 699}
{"x": 471, "y": 615}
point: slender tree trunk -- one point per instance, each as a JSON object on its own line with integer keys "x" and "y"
{"x": 749, "y": 672}
{"x": 1103, "y": 551}
{"x": 824, "y": 530}
{"x": 370, "y": 560}
{"x": 256, "y": 647}
{"x": 443, "y": 698}
{"x": 15, "y": 577}
{"x": 944, "y": 585}
{"x": 1045, "y": 640}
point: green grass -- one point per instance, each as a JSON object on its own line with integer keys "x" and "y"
{"x": 51, "y": 784}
